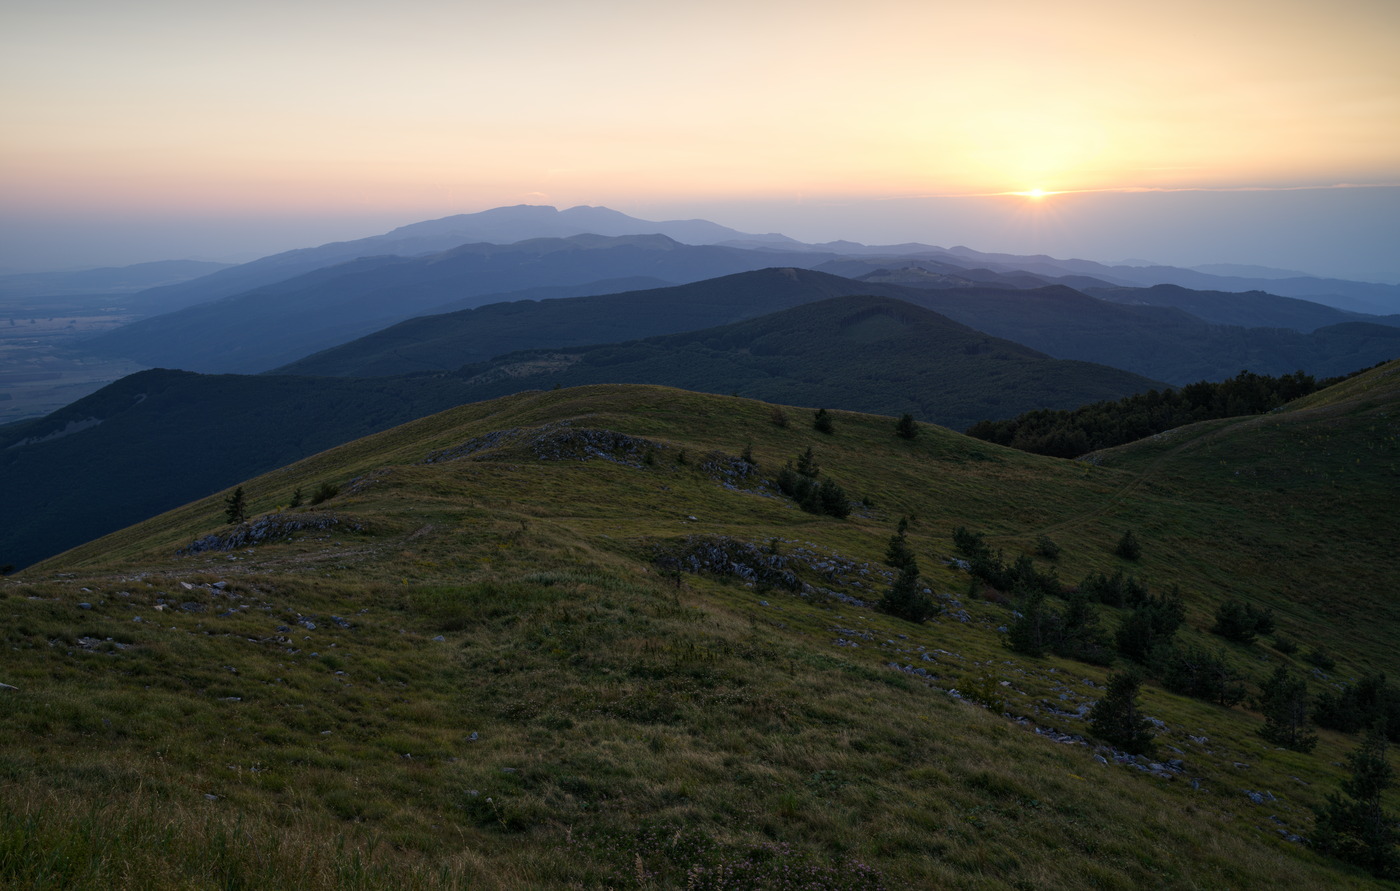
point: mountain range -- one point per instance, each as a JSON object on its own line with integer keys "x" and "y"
{"x": 160, "y": 438}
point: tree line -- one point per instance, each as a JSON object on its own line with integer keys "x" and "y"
{"x": 1102, "y": 425}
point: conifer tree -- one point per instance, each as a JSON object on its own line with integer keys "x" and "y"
{"x": 1116, "y": 719}
{"x": 235, "y": 507}
{"x": 898, "y": 553}
{"x": 821, "y": 421}
{"x": 1283, "y": 699}
{"x": 1128, "y": 547}
{"x": 1353, "y": 826}
{"x": 906, "y": 427}
{"x": 905, "y": 599}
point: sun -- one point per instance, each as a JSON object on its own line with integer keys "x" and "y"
{"x": 1035, "y": 194}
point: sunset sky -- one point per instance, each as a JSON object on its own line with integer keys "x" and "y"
{"x": 232, "y": 129}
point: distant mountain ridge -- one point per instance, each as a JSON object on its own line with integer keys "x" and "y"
{"x": 500, "y": 225}
{"x": 280, "y": 322}
{"x": 1159, "y": 342}
{"x": 105, "y": 280}
{"x": 157, "y": 439}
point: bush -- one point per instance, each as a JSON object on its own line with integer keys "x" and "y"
{"x": 1128, "y": 547}
{"x": 1241, "y": 622}
{"x": 1046, "y": 547}
{"x": 1116, "y": 719}
{"x": 1368, "y": 702}
{"x": 1197, "y": 672}
{"x": 324, "y": 492}
{"x": 825, "y": 497}
{"x": 1150, "y": 625}
{"x": 1321, "y": 658}
{"x": 822, "y": 423}
{"x": 906, "y": 427}
{"x": 1114, "y": 590}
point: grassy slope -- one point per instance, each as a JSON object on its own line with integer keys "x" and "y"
{"x": 631, "y": 729}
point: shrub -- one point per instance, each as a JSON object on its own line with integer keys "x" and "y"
{"x": 906, "y": 427}
{"x": 1046, "y": 547}
{"x": 1194, "y": 671}
{"x": 778, "y": 417}
{"x": 1128, "y": 547}
{"x": 832, "y": 500}
{"x": 1321, "y": 658}
{"x": 1368, "y": 702}
{"x": 822, "y": 423}
{"x": 324, "y": 492}
{"x": 296, "y": 498}
{"x": 1150, "y": 625}
{"x": 1241, "y": 622}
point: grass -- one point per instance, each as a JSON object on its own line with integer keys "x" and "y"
{"x": 503, "y": 689}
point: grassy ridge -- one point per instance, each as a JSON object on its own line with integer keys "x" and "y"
{"x": 503, "y": 689}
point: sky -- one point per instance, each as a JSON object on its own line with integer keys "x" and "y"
{"x": 1202, "y": 131}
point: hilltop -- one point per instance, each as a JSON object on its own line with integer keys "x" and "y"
{"x": 125, "y": 453}
{"x": 576, "y": 638}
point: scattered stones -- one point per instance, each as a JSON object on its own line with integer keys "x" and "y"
{"x": 265, "y": 529}
{"x": 1260, "y": 797}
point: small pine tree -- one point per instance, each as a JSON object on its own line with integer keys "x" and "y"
{"x": 906, "y": 427}
{"x": 1353, "y": 826}
{"x": 296, "y": 497}
{"x": 747, "y": 455}
{"x": 834, "y": 502}
{"x": 1128, "y": 547}
{"x": 807, "y": 463}
{"x": 1115, "y": 718}
{"x": 1283, "y": 699}
{"x": 822, "y": 423}
{"x": 898, "y": 553}
{"x": 1036, "y": 628}
{"x": 906, "y": 599}
{"x": 235, "y": 507}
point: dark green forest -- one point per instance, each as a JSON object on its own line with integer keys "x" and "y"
{"x": 1103, "y": 425}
